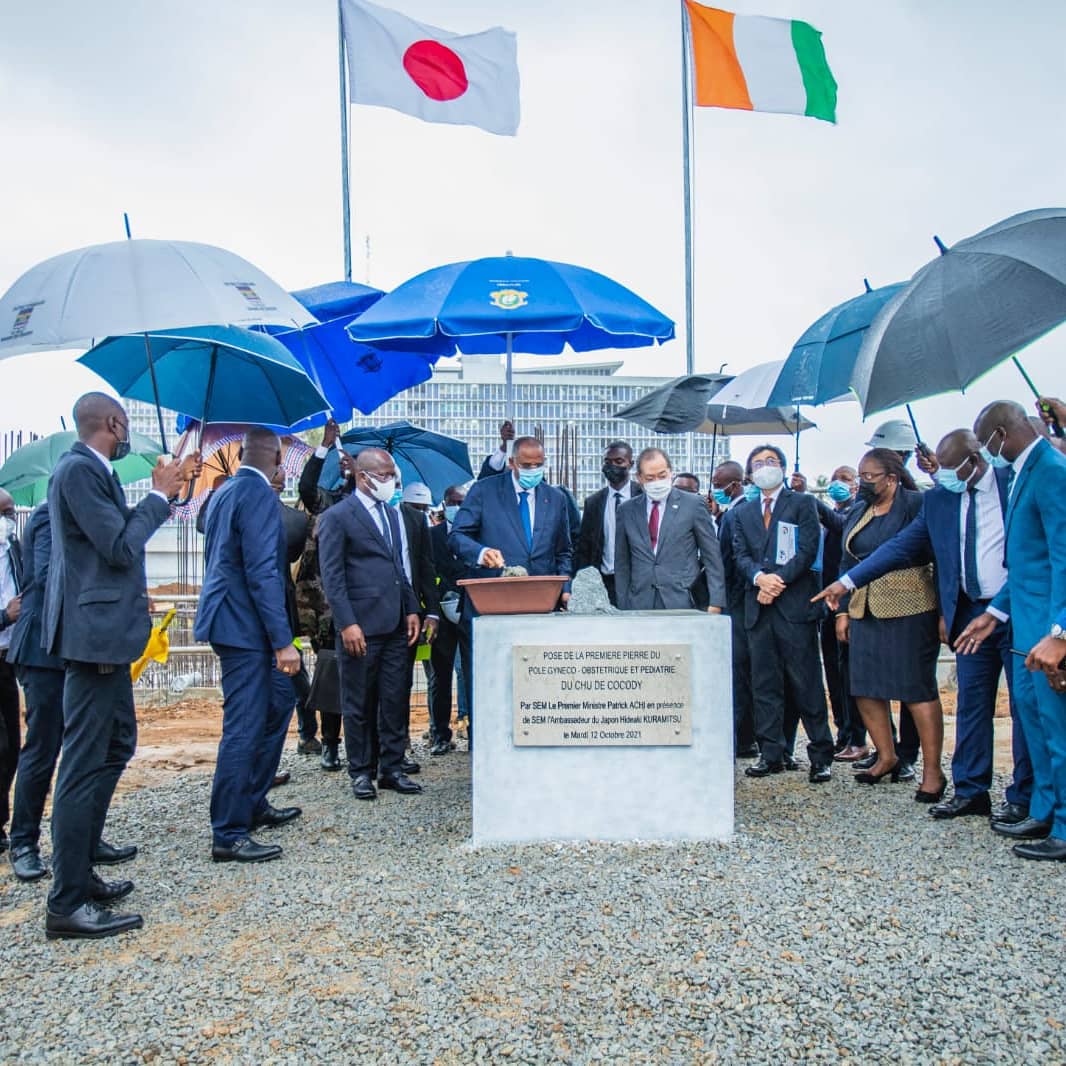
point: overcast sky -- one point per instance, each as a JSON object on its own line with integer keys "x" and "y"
{"x": 217, "y": 121}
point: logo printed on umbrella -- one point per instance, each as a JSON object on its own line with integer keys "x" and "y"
{"x": 509, "y": 299}
{"x": 22, "y": 320}
{"x": 370, "y": 363}
{"x": 247, "y": 290}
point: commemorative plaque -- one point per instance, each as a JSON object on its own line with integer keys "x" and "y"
{"x": 604, "y": 695}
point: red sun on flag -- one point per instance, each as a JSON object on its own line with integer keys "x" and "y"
{"x": 436, "y": 70}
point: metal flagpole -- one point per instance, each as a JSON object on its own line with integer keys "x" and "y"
{"x": 686, "y": 147}
{"x": 346, "y": 209}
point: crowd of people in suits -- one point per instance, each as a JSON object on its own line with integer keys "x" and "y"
{"x": 852, "y": 597}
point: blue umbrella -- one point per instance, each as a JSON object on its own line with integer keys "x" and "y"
{"x": 511, "y": 304}
{"x": 335, "y": 299}
{"x": 818, "y": 369}
{"x": 211, "y": 373}
{"x": 432, "y": 458}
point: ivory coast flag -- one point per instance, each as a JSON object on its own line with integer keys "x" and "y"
{"x": 754, "y": 63}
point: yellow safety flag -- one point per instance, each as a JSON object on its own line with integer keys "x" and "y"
{"x": 158, "y": 647}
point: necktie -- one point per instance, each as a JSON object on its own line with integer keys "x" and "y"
{"x": 527, "y": 519}
{"x": 617, "y": 502}
{"x": 971, "y": 580}
{"x": 653, "y": 525}
{"x": 767, "y": 512}
{"x": 1010, "y": 481}
{"x": 386, "y": 528}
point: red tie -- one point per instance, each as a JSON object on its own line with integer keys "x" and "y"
{"x": 653, "y": 525}
{"x": 767, "y": 512}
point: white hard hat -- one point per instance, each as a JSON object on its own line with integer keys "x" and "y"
{"x": 896, "y": 435}
{"x": 417, "y": 492}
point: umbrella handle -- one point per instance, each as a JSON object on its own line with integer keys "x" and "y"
{"x": 924, "y": 450}
{"x": 1055, "y": 426}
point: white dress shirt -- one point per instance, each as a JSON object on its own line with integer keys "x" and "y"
{"x": 110, "y": 470}
{"x": 498, "y": 459}
{"x": 773, "y": 498}
{"x": 649, "y": 504}
{"x": 609, "y": 507}
{"x": 8, "y": 589}
{"x": 1022, "y": 460}
{"x": 990, "y": 570}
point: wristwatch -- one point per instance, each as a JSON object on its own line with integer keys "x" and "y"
{"x": 1057, "y": 632}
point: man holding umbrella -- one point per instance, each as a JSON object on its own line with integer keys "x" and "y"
{"x": 96, "y": 619}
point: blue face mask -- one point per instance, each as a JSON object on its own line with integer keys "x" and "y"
{"x": 949, "y": 479}
{"x": 998, "y": 460}
{"x": 751, "y": 492}
{"x": 450, "y": 512}
{"x": 530, "y": 479}
{"x": 397, "y": 496}
{"x": 722, "y": 498}
{"x": 838, "y": 492}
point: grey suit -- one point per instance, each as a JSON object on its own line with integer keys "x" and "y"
{"x": 648, "y": 580}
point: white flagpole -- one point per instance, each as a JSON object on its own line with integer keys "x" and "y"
{"x": 346, "y": 209}
{"x": 686, "y": 143}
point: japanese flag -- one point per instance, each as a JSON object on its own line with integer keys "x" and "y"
{"x": 437, "y": 76}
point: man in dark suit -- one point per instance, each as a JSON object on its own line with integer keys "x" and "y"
{"x": 596, "y": 537}
{"x": 665, "y": 541}
{"x": 775, "y": 543}
{"x": 451, "y": 635}
{"x": 962, "y": 523}
{"x": 11, "y": 584}
{"x": 313, "y": 496}
{"x": 96, "y": 620}
{"x": 375, "y": 612}
{"x": 243, "y": 616}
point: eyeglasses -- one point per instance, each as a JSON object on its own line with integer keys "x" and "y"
{"x": 870, "y": 478}
{"x": 760, "y": 463}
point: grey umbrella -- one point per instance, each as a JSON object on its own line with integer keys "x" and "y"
{"x": 677, "y": 407}
{"x": 972, "y": 307}
{"x": 725, "y": 421}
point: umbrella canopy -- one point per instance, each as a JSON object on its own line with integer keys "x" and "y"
{"x": 975, "y": 305}
{"x": 724, "y": 421}
{"x": 25, "y": 474}
{"x": 212, "y": 373}
{"x": 432, "y": 458}
{"x": 335, "y": 299}
{"x": 818, "y": 369}
{"x": 137, "y": 286}
{"x": 751, "y": 388}
{"x": 677, "y": 407}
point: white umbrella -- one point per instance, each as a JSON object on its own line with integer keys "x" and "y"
{"x": 134, "y": 287}
{"x": 751, "y": 388}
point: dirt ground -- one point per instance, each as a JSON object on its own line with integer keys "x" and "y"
{"x": 182, "y": 736}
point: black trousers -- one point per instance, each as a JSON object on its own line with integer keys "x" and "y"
{"x": 375, "y": 688}
{"x": 451, "y": 637}
{"x": 743, "y": 701}
{"x": 306, "y": 719}
{"x": 99, "y": 739}
{"x": 9, "y": 735}
{"x": 846, "y": 717}
{"x": 37, "y": 762}
{"x": 785, "y": 668}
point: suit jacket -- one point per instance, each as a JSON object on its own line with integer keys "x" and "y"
{"x": 315, "y": 498}
{"x": 1035, "y": 593}
{"x": 588, "y": 547}
{"x": 242, "y": 602}
{"x": 95, "y": 601}
{"x": 449, "y": 568}
{"x": 933, "y": 534}
{"x": 663, "y": 580}
{"x": 26, "y": 647}
{"x": 489, "y": 518}
{"x": 362, "y": 576}
{"x": 488, "y": 470}
{"x": 420, "y": 548}
{"x": 755, "y": 549}
{"x": 14, "y": 554}
{"x": 735, "y": 585}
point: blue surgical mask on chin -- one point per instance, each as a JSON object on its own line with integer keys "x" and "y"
{"x": 530, "y": 479}
{"x": 397, "y": 496}
{"x": 751, "y": 492}
{"x": 998, "y": 460}
{"x": 838, "y": 491}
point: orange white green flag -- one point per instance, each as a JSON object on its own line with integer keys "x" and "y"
{"x": 754, "y": 63}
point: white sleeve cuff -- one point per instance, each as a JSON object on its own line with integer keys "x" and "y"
{"x": 755, "y": 579}
{"x": 847, "y": 582}
{"x": 498, "y": 459}
{"x": 481, "y": 557}
{"x": 996, "y": 613}
{"x": 321, "y": 453}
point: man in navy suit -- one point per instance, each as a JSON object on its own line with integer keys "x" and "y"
{"x": 96, "y": 619}
{"x": 1035, "y": 599}
{"x": 515, "y": 520}
{"x": 375, "y": 612}
{"x": 962, "y": 523}
{"x": 243, "y": 616}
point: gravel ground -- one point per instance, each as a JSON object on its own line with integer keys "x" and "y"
{"x": 840, "y": 924}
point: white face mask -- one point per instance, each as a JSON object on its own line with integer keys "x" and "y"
{"x": 7, "y": 528}
{"x": 658, "y": 490}
{"x": 768, "y": 477}
{"x": 382, "y": 490}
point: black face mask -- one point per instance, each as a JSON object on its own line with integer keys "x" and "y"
{"x": 122, "y": 448}
{"x": 868, "y": 492}
{"x": 615, "y": 475}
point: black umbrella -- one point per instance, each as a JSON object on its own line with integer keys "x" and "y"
{"x": 677, "y": 407}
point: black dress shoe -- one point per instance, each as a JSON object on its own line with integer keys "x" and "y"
{"x": 108, "y": 855}
{"x": 907, "y": 773}
{"x": 363, "y": 788}
{"x": 399, "y": 783}
{"x": 790, "y": 763}
{"x": 441, "y": 747}
{"x": 763, "y": 768}
{"x": 866, "y": 763}
{"x": 3, "y": 842}
{"x": 275, "y": 816}
{"x": 409, "y": 766}
{"x": 749, "y": 751}
{"x": 1026, "y": 829}
{"x": 245, "y": 850}
{"x": 89, "y": 922}
{"x": 101, "y": 891}
{"x": 961, "y": 806}
{"x": 26, "y": 862}
{"x": 1053, "y": 849}
{"x": 330, "y": 760}
{"x": 283, "y": 777}
{"x": 310, "y": 746}
{"x": 819, "y": 774}
{"x": 1010, "y": 813}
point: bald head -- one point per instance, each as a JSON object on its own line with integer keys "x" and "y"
{"x": 261, "y": 449}
{"x": 1003, "y": 428}
{"x": 373, "y": 469}
{"x": 960, "y": 450}
{"x": 92, "y": 411}
{"x": 7, "y": 504}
